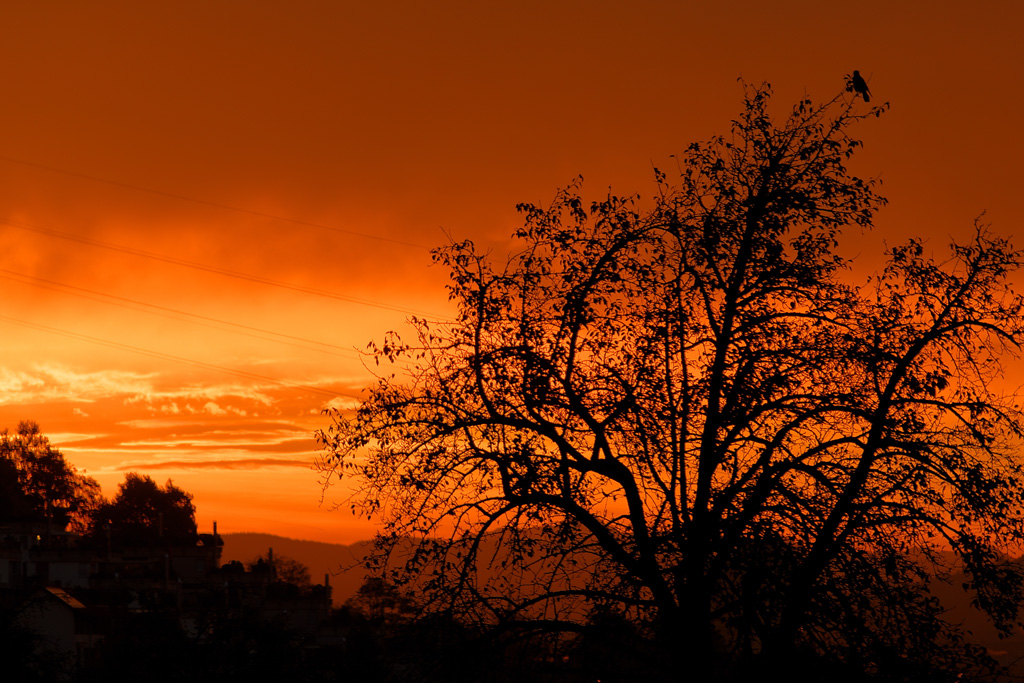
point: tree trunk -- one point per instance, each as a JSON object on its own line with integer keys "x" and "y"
{"x": 686, "y": 639}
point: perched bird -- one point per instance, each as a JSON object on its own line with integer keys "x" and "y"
{"x": 860, "y": 87}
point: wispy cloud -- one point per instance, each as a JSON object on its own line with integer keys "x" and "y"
{"x": 207, "y": 397}
{"x": 55, "y": 383}
{"x": 218, "y": 442}
{"x": 157, "y": 393}
{"x": 223, "y": 464}
{"x": 342, "y": 403}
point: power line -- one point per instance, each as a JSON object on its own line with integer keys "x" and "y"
{"x": 211, "y": 269}
{"x": 206, "y": 202}
{"x": 55, "y": 286}
{"x": 176, "y": 359}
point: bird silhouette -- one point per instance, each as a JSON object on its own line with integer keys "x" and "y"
{"x": 860, "y": 86}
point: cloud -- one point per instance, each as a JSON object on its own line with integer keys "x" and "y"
{"x": 212, "y": 430}
{"x": 48, "y": 383}
{"x": 223, "y": 464}
{"x": 157, "y": 399}
{"x": 214, "y": 409}
{"x": 155, "y": 392}
{"x": 342, "y": 403}
{"x": 53, "y": 383}
{"x": 59, "y": 439}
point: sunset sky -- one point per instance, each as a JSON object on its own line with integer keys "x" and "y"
{"x": 206, "y": 206}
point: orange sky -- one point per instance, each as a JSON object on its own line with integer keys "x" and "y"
{"x": 325, "y": 146}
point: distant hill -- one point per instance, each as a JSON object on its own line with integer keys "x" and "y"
{"x": 321, "y": 558}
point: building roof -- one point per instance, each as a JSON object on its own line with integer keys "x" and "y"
{"x": 65, "y": 597}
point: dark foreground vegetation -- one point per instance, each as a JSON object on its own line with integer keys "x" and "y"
{"x": 127, "y": 589}
{"x": 685, "y": 439}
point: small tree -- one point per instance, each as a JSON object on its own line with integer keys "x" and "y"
{"x": 688, "y": 416}
{"x": 286, "y": 569}
{"x": 383, "y": 602}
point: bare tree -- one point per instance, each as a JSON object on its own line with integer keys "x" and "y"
{"x": 688, "y": 415}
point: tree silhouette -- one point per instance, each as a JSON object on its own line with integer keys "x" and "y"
{"x": 286, "y": 569}
{"x": 38, "y": 483}
{"x": 144, "y": 513}
{"x": 383, "y": 602}
{"x": 688, "y": 415}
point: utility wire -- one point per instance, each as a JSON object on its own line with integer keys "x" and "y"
{"x": 176, "y": 359}
{"x": 219, "y": 205}
{"x": 84, "y": 293}
{"x": 212, "y": 269}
